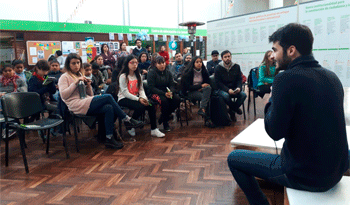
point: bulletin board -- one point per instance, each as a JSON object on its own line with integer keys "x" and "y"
{"x": 78, "y": 47}
{"x": 41, "y": 50}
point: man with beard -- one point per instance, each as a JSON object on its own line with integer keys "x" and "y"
{"x": 211, "y": 65}
{"x": 306, "y": 109}
{"x": 138, "y": 49}
{"x": 175, "y": 68}
{"x": 228, "y": 78}
{"x": 182, "y": 69}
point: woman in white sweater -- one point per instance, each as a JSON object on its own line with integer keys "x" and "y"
{"x": 131, "y": 94}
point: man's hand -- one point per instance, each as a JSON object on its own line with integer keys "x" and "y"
{"x": 204, "y": 85}
{"x": 169, "y": 94}
{"x": 231, "y": 92}
{"x": 237, "y": 91}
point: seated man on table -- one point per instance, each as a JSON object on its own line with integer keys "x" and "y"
{"x": 306, "y": 109}
{"x": 228, "y": 78}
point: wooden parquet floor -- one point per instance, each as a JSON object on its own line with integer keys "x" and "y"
{"x": 188, "y": 166}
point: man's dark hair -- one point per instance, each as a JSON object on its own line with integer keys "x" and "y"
{"x": 138, "y": 40}
{"x": 224, "y": 53}
{"x": 294, "y": 34}
{"x": 177, "y": 53}
{"x": 86, "y": 65}
{"x": 16, "y": 62}
{"x": 148, "y": 46}
{"x": 59, "y": 53}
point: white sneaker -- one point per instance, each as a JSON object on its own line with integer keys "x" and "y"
{"x": 132, "y": 132}
{"x": 157, "y": 133}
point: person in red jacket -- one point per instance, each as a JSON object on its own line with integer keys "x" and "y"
{"x": 165, "y": 54}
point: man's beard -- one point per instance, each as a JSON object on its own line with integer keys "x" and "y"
{"x": 187, "y": 62}
{"x": 228, "y": 62}
{"x": 284, "y": 63}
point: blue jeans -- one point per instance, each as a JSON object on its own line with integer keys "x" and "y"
{"x": 106, "y": 105}
{"x": 245, "y": 165}
{"x": 228, "y": 99}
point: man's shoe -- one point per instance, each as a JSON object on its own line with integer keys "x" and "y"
{"x": 239, "y": 111}
{"x": 113, "y": 144}
{"x": 201, "y": 113}
{"x": 132, "y": 123}
{"x": 232, "y": 116}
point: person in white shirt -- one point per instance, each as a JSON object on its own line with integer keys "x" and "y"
{"x": 131, "y": 94}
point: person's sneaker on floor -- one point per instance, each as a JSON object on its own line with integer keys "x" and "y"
{"x": 113, "y": 144}
{"x": 132, "y": 123}
{"x": 157, "y": 133}
{"x": 232, "y": 115}
{"x": 132, "y": 132}
{"x": 166, "y": 126}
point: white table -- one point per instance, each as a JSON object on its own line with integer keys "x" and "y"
{"x": 255, "y": 136}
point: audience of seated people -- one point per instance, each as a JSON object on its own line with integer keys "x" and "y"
{"x": 126, "y": 87}
{"x": 267, "y": 71}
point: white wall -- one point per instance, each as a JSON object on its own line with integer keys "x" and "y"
{"x": 249, "y": 6}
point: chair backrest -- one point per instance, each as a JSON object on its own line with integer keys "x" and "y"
{"x": 213, "y": 83}
{"x": 253, "y": 78}
{"x": 21, "y": 105}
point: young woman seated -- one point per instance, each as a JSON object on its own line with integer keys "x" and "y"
{"x": 132, "y": 94}
{"x": 195, "y": 84}
{"x": 267, "y": 72}
{"x": 87, "y": 104}
{"x": 161, "y": 86}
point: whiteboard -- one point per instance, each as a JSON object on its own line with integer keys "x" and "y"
{"x": 246, "y": 36}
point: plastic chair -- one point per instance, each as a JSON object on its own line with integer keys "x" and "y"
{"x": 16, "y": 106}
{"x": 252, "y": 86}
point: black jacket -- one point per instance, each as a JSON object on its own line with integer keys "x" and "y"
{"x": 211, "y": 65}
{"x": 137, "y": 52}
{"x": 306, "y": 109}
{"x": 187, "y": 80}
{"x": 36, "y": 85}
{"x": 231, "y": 79}
{"x": 158, "y": 81}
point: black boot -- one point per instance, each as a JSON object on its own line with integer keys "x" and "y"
{"x": 113, "y": 144}
{"x": 132, "y": 123}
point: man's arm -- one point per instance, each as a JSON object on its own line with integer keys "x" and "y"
{"x": 280, "y": 108}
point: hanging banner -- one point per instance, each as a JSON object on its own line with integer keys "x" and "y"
{"x": 156, "y": 37}
{"x": 111, "y": 36}
{"x": 200, "y": 38}
{"x": 120, "y": 36}
{"x": 129, "y": 37}
{"x": 164, "y": 37}
{"x": 172, "y": 38}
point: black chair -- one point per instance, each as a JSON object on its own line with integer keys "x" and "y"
{"x": 16, "y": 106}
{"x": 252, "y": 87}
{"x": 215, "y": 87}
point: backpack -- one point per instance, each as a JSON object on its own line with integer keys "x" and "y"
{"x": 253, "y": 78}
{"x": 218, "y": 111}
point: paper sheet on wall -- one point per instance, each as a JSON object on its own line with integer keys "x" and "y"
{"x": 164, "y": 37}
{"x": 34, "y": 59}
{"x": 83, "y": 52}
{"x": 41, "y": 55}
{"x": 84, "y": 58}
{"x": 83, "y": 44}
{"x": 197, "y": 52}
{"x": 32, "y": 51}
{"x": 67, "y": 46}
{"x": 155, "y": 37}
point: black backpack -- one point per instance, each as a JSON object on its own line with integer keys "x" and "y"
{"x": 218, "y": 111}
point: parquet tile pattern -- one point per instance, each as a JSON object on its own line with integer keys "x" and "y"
{"x": 188, "y": 166}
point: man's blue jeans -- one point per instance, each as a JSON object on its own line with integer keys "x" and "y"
{"x": 228, "y": 99}
{"x": 245, "y": 165}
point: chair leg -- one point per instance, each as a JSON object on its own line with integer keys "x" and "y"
{"x": 249, "y": 98}
{"x": 48, "y": 142}
{"x": 6, "y": 145}
{"x": 120, "y": 128}
{"x": 179, "y": 116}
{"x": 186, "y": 113}
{"x": 75, "y": 134}
{"x": 243, "y": 111}
{"x": 254, "y": 106}
{"x": 22, "y": 143}
{"x": 65, "y": 140}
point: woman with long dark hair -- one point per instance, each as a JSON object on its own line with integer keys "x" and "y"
{"x": 267, "y": 72}
{"x": 161, "y": 86}
{"x": 196, "y": 85}
{"x": 132, "y": 94}
{"x": 108, "y": 59}
{"x": 87, "y": 104}
{"x": 144, "y": 63}
{"x": 122, "y": 51}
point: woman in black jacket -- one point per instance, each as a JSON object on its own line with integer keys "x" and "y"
{"x": 195, "y": 84}
{"x": 161, "y": 83}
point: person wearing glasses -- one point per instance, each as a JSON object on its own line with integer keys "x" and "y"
{"x": 132, "y": 95}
